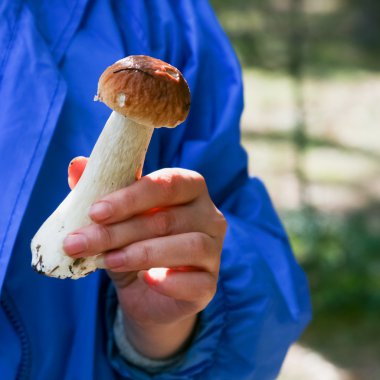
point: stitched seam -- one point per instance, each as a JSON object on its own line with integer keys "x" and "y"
{"x": 16, "y": 321}
{"x": 13, "y": 33}
{"x": 30, "y": 165}
{"x": 60, "y": 38}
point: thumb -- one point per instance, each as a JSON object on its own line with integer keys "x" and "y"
{"x": 75, "y": 170}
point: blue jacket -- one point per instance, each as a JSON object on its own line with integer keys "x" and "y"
{"x": 52, "y": 53}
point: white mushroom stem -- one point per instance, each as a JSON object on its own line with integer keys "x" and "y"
{"x": 116, "y": 161}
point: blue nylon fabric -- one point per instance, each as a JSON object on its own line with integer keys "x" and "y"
{"x": 28, "y": 116}
{"x": 262, "y": 302}
{"x": 10, "y": 353}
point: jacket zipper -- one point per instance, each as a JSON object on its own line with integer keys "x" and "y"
{"x": 14, "y": 318}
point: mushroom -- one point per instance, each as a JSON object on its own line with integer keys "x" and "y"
{"x": 144, "y": 93}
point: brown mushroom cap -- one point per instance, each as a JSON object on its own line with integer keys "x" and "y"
{"x": 146, "y": 90}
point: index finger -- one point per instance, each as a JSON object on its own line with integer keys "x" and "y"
{"x": 163, "y": 188}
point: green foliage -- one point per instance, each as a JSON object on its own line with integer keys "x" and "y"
{"x": 331, "y": 34}
{"x": 340, "y": 254}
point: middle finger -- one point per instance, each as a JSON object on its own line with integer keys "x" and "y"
{"x": 97, "y": 238}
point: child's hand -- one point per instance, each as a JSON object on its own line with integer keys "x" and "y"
{"x": 165, "y": 220}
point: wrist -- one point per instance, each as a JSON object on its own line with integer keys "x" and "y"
{"x": 159, "y": 340}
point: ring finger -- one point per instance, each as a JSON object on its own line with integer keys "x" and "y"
{"x": 193, "y": 249}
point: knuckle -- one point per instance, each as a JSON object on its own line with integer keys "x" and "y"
{"x": 204, "y": 252}
{"x": 145, "y": 253}
{"x": 169, "y": 189}
{"x": 199, "y": 180}
{"x": 219, "y": 224}
{"x": 194, "y": 180}
{"x": 103, "y": 237}
{"x": 199, "y": 244}
{"x": 198, "y": 183}
{"x": 127, "y": 197}
{"x": 168, "y": 184}
{"x": 162, "y": 223}
{"x": 209, "y": 287}
{"x": 215, "y": 266}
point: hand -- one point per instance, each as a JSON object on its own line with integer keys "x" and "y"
{"x": 165, "y": 220}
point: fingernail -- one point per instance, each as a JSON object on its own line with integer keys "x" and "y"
{"x": 100, "y": 211}
{"x": 142, "y": 274}
{"x": 74, "y": 244}
{"x": 113, "y": 260}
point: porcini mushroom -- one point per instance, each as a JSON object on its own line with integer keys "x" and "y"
{"x": 144, "y": 93}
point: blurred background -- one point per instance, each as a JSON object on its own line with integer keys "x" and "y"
{"x": 311, "y": 128}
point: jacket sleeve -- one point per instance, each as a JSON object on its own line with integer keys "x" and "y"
{"x": 262, "y": 302}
